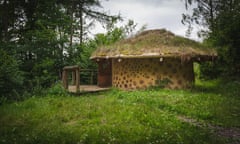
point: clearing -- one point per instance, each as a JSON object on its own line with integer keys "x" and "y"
{"x": 209, "y": 113}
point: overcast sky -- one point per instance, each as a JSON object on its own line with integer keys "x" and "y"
{"x": 155, "y": 13}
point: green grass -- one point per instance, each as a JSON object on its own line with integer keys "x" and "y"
{"x": 150, "y": 116}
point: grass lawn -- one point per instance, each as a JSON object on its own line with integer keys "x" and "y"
{"x": 209, "y": 113}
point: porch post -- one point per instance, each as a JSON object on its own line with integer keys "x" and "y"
{"x": 73, "y": 77}
{"x": 77, "y": 78}
{"x": 65, "y": 79}
{"x": 91, "y": 79}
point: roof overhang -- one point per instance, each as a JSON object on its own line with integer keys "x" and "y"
{"x": 197, "y": 58}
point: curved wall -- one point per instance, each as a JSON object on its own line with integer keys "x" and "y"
{"x": 142, "y": 73}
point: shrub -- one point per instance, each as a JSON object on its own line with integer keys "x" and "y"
{"x": 210, "y": 70}
{"x": 10, "y": 76}
{"x": 57, "y": 89}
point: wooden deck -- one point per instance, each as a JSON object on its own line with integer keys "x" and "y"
{"x": 86, "y": 88}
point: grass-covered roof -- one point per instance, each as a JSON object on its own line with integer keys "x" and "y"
{"x": 155, "y": 43}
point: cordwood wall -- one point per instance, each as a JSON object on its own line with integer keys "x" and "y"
{"x": 140, "y": 73}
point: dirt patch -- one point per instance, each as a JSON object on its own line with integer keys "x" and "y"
{"x": 229, "y": 133}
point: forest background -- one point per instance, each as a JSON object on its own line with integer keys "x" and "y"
{"x": 39, "y": 37}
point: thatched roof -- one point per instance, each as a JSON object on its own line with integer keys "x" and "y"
{"x": 155, "y": 43}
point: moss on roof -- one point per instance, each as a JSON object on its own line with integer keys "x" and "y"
{"x": 154, "y": 43}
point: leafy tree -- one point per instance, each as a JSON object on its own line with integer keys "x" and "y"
{"x": 115, "y": 33}
{"x": 39, "y": 35}
{"x": 221, "y": 22}
{"x": 42, "y": 45}
{"x": 84, "y": 13}
{"x": 10, "y": 76}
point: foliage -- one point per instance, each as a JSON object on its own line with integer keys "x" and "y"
{"x": 110, "y": 37}
{"x": 42, "y": 35}
{"x": 83, "y": 14}
{"x": 10, "y": 76}
{"x": 220, "y": 20}
{"x": 210, "y": 70}
{"x": 57, "y": 89}
{"x": 150, "y": 116}
{"x": 115, "y": 33}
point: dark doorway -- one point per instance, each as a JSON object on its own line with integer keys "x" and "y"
{"x": 105, "y": 73}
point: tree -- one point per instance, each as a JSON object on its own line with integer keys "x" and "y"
{"x": 84, "y": 13}
{"x": 221, "y": 20}
{"x": 39, "y": 35}
{"x": 10, "y": 76}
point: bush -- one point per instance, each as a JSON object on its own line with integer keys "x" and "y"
{"x": 210, "y": 70}
{"x": 10, "y": 77}
{"x": 57, "y": 89}
{"x": 44, "y": 73}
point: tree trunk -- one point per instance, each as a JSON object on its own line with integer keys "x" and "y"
{"x": 81, "y": 24}
{"x": 5, "y": 20}
{"x": 71, "y": 28}
{"x": 212, "y": 27}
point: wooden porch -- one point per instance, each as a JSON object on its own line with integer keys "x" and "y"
{"x": 72, "y": 84}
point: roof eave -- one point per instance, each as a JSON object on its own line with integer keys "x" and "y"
{"x": 197, "y": 58}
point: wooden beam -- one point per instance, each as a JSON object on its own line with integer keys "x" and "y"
{"x": 65, "y": 79}
{"x": 91, "y": 78}
{"x": 74, "y": 77}
{"x": 77, "y": 72}
{"x": 71, "y": 67}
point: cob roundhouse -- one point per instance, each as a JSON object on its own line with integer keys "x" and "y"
{"x": 151, "y": 58}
